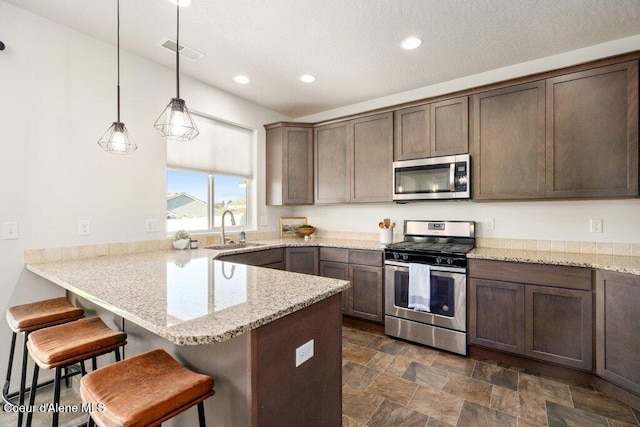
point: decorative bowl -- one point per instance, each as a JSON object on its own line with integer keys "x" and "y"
{"x": 306, "y": 231}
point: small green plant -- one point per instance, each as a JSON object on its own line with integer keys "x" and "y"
{"x": 181, "y": 234}
{"x": 306, "y": 226}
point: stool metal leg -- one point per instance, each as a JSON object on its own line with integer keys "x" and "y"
{"x": 32, "y": 396}
{"x": 23, "y": 377}
{"x": 56, "y": 397}
{"x": 7, "y": 381}
{"x": 90, "y": 422}
{"x": 201, "y": 420}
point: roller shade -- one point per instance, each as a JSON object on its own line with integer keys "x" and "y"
{"x": 221, "y": 148}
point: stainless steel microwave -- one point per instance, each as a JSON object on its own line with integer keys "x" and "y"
{"x": 438, "y": 178}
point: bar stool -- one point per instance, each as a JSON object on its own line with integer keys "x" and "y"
{"x": 26, "y": 318}
{"x": 144, "y": 390}
{"x": 58, "y": 347}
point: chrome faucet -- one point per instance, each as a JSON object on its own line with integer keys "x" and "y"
{"x": 233, "y": 222}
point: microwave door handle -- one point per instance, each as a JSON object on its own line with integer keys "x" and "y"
{"x": 452, "y": 177}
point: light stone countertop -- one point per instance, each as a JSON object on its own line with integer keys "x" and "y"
{"x": 186, "y": 296}
{"x": 619, "y": 263}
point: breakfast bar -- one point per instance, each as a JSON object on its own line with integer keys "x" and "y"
{"x": 238, "y": 323}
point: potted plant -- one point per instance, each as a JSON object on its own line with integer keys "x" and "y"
{"x": 181, "y": 239}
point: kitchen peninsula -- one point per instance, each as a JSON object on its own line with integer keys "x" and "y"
{"x": 237, "y": 323}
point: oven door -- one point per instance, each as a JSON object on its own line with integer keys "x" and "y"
{"x": 448, "y": 296}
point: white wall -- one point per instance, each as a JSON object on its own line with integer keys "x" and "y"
{"x": 58, "y": 97}
{"x": 546, "y": 220}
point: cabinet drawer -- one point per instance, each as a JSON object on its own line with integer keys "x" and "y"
{"x": 261, "y": 257}
{"x": 334, "y": 254}
{"x": 535, "y": 274}
{"x": 372, "y": 258}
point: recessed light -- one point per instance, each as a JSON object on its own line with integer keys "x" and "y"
{"x": 181, "y": 3}
{"x": 307, "y": 78}
{"x": 411, "y": 43}
{"x": 243, "y": 80}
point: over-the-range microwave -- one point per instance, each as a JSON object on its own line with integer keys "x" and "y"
{"x": 437, "y": 178}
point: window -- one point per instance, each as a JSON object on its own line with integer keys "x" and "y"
{"x": 209, "y": 175}
{"x": 190, "y": 195}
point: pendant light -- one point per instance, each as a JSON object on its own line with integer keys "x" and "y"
{"x": 175, "y": 123}
{"x": 116, "y": 139}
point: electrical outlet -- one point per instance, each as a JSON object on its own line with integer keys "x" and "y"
{"x": 152, "y": 226}
{"x": 304, "y": 353}
{"x": 490, "y": 223}
{"x": 595, "y": 226}
{"x": 10, "y": 231}
{"x": 264, "y": 221}
{"x": 84, "y": 227}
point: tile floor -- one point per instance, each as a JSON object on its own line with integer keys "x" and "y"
{"x": 388, "y": 382}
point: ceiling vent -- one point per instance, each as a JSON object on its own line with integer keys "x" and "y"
{"x": 185, "y": 51}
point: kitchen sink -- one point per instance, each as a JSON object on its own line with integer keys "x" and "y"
{"x": 233, "y": 245}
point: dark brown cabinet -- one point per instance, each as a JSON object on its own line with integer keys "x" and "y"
{"x": 540, "y": 311}
{"x": 353, "y": 160}
{"x": 592, "y": 133}
{"x": 270, "y": 258}
{"x": 508, "y": 143}
{"x": 289, "y": 164}
{"x": 617, "y": 326}
{"x": 431, "y": 130}
{"x": 570, "y": 136}
{"x": 302, "y": 260}
{"x": 364, "y": 270}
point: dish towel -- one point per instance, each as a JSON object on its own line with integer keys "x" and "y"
{"x": 420, "y": 287}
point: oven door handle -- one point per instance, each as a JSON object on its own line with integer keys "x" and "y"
{"x": 433, "y": 267}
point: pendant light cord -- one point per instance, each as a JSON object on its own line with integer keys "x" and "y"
{"x": 178, "y": 49}
{"x": 118, "y": 42}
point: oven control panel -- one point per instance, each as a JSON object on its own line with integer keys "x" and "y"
{"x": 443, "y": 259}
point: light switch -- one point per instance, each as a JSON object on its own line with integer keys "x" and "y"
{"x": 10, "y": 231}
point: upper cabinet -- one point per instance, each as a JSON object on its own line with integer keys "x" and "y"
{"x": 353, "y": 160}
{"x": 592, "y": 133}
{"x": 507, "y": 143}
{"x": 570, "y": 136}
{"x": 432, "y": 130}
{"x": 289, "y": 164}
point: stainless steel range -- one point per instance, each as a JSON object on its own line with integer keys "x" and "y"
{"x": 426, "y": 284}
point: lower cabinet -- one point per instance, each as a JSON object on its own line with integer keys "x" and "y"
{"x": 617, "y": 326}
{"x": 365, "y": 272}
{"x": 269, "y": 258}
{"x": 539, "y": 311}
{"x": 302, "y": 260}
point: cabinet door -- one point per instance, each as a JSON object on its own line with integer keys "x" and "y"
{"x": 617, "y": 326}
{"x": 592, "y": 133}
{"x": 338, "y": 270}
{"x": 297, "y": 180}
{"x": 333, "y": 163}
{"x": 450, "y": 127}
{"x": 302, "y": 260}
{"x": 496, "y": 315}
{"x": 412, "y": 133}
{"x": 508, "y": 143}
{"x": 366, "y": 292}
{"x": 372, "y": 159}
{"x": 559, "y": 326}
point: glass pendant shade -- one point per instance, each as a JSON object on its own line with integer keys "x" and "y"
{"x": 117, "y": 140}
{"x": 175, "y": 123}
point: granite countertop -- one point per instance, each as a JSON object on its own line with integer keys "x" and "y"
{"x": 188, "y": 297}
{"x": 619, "y": 263}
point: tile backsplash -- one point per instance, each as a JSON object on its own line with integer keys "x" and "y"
{"x": 34, "y": 256}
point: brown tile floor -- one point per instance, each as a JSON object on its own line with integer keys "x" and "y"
{"x": 388, "y": 382}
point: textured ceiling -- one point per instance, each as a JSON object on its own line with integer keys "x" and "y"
{"x": 351, "y": 46}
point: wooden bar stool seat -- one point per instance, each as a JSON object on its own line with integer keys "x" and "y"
{"x": 26, "y": 318}
{"x": 144, "y": 390}
{"x": 59, "y": 346}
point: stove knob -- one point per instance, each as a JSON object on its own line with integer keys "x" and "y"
{"x": 396, "y": 256}
{"x": 405, "y": 257}
{"x": 449, "y": 261}
{"x": 439, "y": 260}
